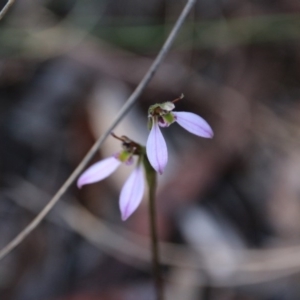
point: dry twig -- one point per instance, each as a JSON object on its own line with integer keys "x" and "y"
{"x": 6, "y": 8}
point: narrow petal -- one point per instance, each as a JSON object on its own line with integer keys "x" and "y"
{"x": 98, "y": 171}
{"x": 157, "y": 151}
{"x": 132, "y": 192}
{"x": 194, "y": 124}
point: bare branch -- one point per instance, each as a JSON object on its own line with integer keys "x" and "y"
{"x": 126, "y": 107}
{"x": 6, "y": 8}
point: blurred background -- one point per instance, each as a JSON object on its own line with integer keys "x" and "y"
{"x": 228, "y": 208}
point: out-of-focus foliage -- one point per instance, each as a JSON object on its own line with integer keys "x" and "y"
{"x": 224, "y": 205}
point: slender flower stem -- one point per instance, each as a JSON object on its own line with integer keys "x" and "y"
{"x": 154, "y": 245}
{"x": 151, "y": 180}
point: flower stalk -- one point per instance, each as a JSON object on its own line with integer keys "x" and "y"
{"x": 151, "y": 181}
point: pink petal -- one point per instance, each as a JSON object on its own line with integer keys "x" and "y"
{"x": 156, "y": 149}
{"x": 194, "y": 124}
{"x": 132, "y": 193}
{"x": 98, "y": 171}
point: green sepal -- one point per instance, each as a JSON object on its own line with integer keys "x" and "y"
{"x": 152, "y": 108}
{"x": 160, "y": 109}
{"x": 167, "y": 106}
{"x": 124, "y": 156}
{"x": 169, "y": 118}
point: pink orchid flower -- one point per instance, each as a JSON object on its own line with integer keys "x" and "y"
{"x": 132, "y": 191}
{"x": 162, "y": 115}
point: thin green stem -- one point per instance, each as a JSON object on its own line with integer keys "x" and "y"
{"x": 154, "y": 245}
{"x": 151, "y": 180}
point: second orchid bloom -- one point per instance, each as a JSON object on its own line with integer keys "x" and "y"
{"x": 162, "y": 115}
{"x": 133, "y": 190}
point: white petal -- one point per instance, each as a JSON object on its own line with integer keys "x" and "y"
{"x": 156, "y": 149}
{"x": 194, "y": 124}
{"x": 132, "y": 192}
{"x": 98, "y": 171}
